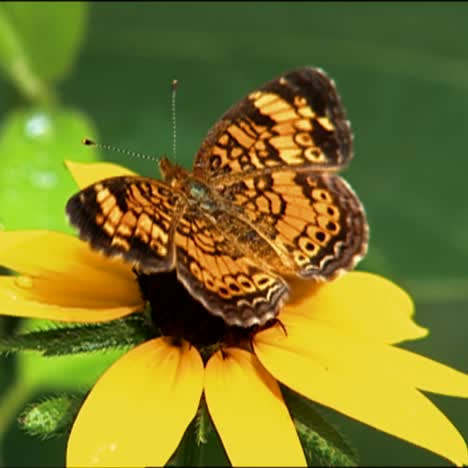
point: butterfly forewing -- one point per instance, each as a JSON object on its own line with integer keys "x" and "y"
{"x": 296, "y": 120}
{"x": 131, "y": 217}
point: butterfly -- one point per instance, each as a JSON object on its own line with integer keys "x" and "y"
{"x": 262, "y": 204}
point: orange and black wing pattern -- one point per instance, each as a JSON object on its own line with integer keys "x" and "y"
{"x": 215, "y": 270}
{"x": 130, "y": 217}
{"x": 296, "y": 120}
{"x": 313, "y": 219}
{"x": 274, "y": 157}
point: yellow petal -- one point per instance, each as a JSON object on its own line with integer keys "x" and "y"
{"x": 138, "y": 411}
{"x": 334, "y": 349}
{"x": 362, "y": 304}
{"x": 89, "y": 173}
{"x": 21, "y": 296}
{"x": 63, "y": 279}
{"x": 386, "y": 404}
{"x": 10, "y": 239}
{"x": 35, "y": 252}
{"x": 249, "y": 413}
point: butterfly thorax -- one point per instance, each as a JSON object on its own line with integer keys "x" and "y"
{"x": 197, "y": 192}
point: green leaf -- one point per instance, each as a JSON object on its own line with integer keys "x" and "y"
{"x": 39, "y": 43}
{"x": 51, "y": 416}
{"x": 57, "y": 340}
{"x": 34, "y": 181}
{"x": 322, "y": 443}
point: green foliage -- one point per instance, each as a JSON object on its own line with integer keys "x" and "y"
{"x": 60, "y": 340}
{"x": 35, "y": 182}
{"x": 200, "y": 445}
{"x": 38, "y": 46}
{"x": 51, "y": 416}
{"x": 39, "y": 43}
{"x": 322, "y": 443}
{"x": 63, "y": 372}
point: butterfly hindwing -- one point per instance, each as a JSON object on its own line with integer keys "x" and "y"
{"x": 314, "y": 219}
{"x": 223, "y": 278}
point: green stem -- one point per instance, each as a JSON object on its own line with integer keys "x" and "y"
{"x": 15, "y": 62}
{"x": 11, "y": 404}
{"x": 30, "y": 85}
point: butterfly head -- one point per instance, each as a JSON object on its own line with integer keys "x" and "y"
{"x": 173, "y": 174}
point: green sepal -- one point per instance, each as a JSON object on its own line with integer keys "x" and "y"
{"x": 51, "y": 416}
{"x": 200, "y": 445}
{"x": 203, "y": 426}
{"x": 59, "y": 340}
{"x": 323, "y": 445}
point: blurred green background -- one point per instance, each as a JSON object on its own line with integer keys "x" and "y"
{"x": 75, "y": 70}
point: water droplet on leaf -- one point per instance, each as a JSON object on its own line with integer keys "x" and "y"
{"x": 38, "y": 125}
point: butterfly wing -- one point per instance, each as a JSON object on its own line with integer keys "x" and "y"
{"x": 273, "y": 156}
{"x": 131, "y": 217}
{"x": 296, "y": 120}
{"x": 225, "y": 280}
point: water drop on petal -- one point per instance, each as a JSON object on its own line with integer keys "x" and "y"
{"x": 24, "y": 282}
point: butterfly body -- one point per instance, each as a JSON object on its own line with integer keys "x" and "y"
{"x": 263, "y": 203}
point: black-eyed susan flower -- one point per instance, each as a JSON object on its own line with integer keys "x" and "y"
{"x": 334, "y": 345}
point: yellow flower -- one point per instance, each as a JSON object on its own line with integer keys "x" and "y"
{"x": 336, "y": 346}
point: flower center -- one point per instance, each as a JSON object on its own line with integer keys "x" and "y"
{"x": 177, "y": 314}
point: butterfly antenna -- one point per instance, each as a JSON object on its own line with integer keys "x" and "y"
{"x": 124, "y": 151}
{"x": 173, "y": 108}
